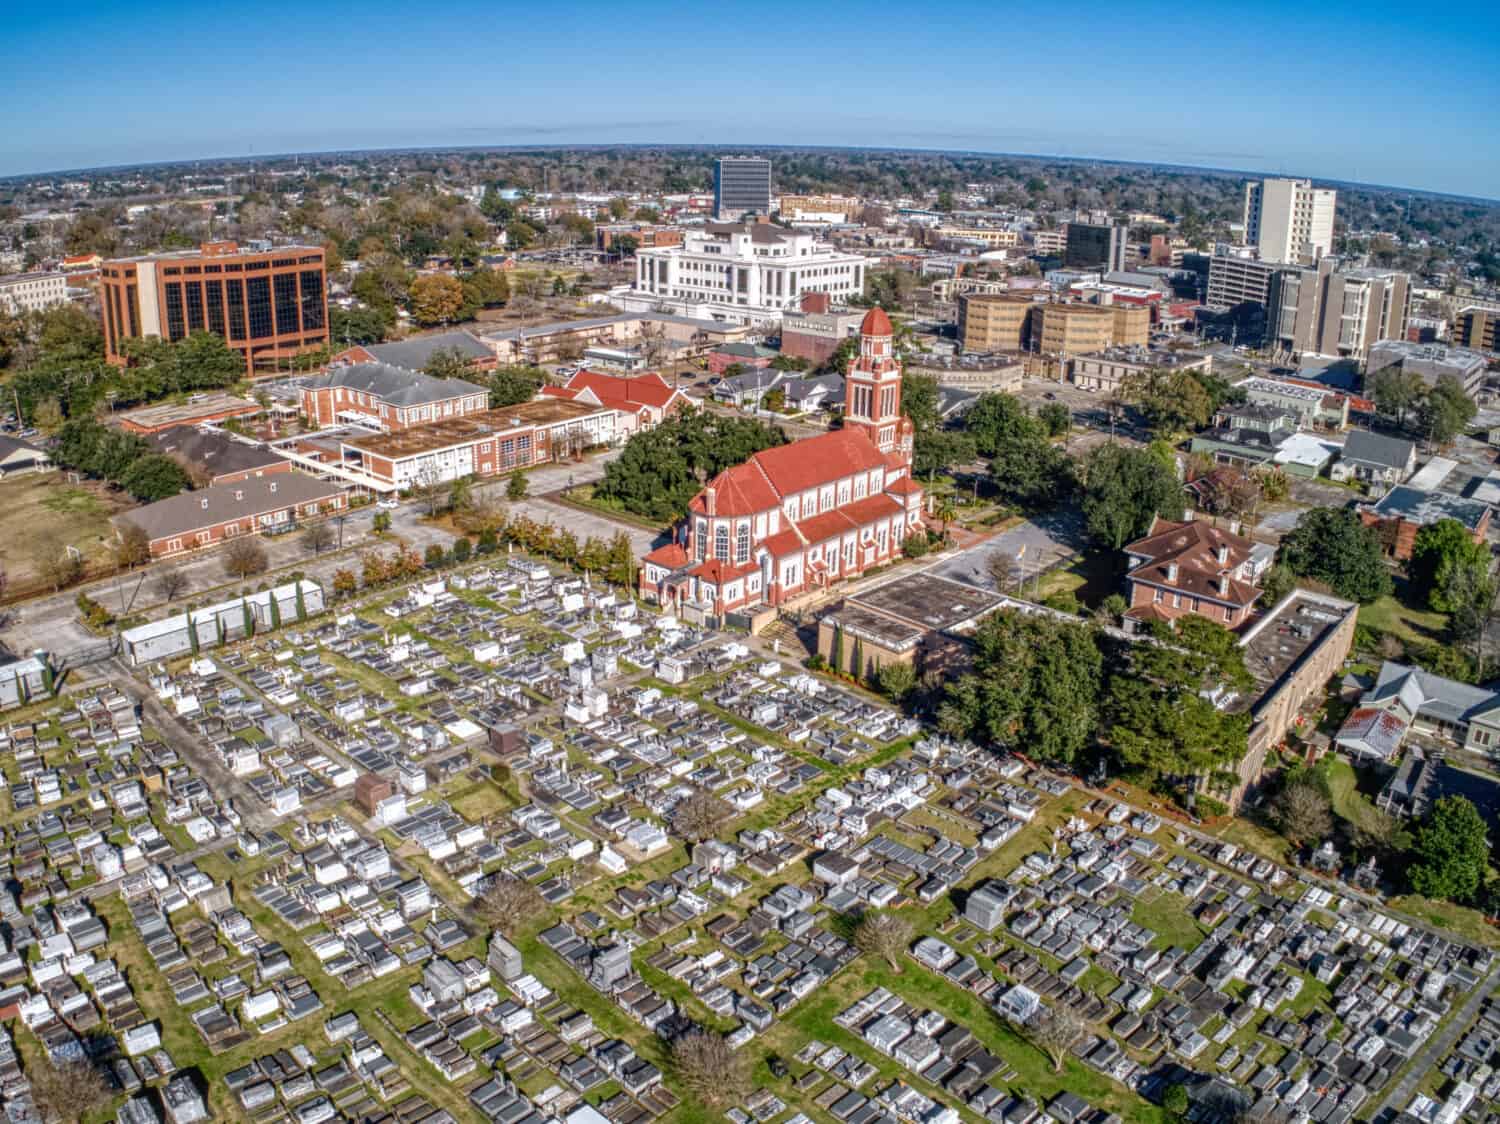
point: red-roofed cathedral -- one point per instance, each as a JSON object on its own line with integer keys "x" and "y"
{"x": 793, "y": 518}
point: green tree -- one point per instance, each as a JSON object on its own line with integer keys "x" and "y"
{"x": 203, "y": 361}
{"x": 1034, "y": 684}
{"x": 361, "y": 324}
{"x": 896, "y": 681}
{"x": 660, "y": 470}
{"x": 1055, "y": 418}
{"x": 1334, "y": 547}
{"x": 515, "y": 487}
{"x": 446, "y": 363}
{"x": 1439, "y": 550}
{"x": 1396, "y": 393}
{"x": 1124, "y": 489}
{"x": 381, "y": 523}
{"x": 153, "y": 477}
{"x": 1175, "y": 1100}
{"x": 514, "y": 384}
{"x": 1170, "y": 401}
{"x": 1451, "y": 852}
{"x": 1163, "y": 716}
{"x": 1446, "y": 411}
{"x": 1025, "y": 467}
{"x": 484, "y": 288}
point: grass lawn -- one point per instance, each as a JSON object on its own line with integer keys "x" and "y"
{"x": 1467, "y": 923}
{"x": 582, "y": 496}
{"x": 1166, "y": 914}
{"x": 1091, "y": 577}
{"x": 1410, "y": 625}
{"x": 44, "y": 511}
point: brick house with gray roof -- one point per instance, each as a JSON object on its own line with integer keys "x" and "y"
{"x": 208, "y": 516}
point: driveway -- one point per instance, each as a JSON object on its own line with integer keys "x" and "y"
{"x": 1032, "y": 547}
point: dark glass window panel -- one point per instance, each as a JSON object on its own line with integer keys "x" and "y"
{"x": 312, "y": 299}
{"x": 131, "y": 301}
{"x": 215, "y": 293}
{"x": 286, "y": 304}
{"x": 194, "y": 307}
{"x": 176, "y": 326}
{"x": 234, "y": 292}
{"x": 258, "y": 300}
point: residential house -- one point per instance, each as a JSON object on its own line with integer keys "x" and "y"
{"x": 1373, "y": 458}
{"x": 1429, "y": 704}
{"x": 17, "y": 456}
{"x": 1192, "y": 567}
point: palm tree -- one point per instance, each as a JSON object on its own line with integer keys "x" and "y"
{"x": 945, "y": 510}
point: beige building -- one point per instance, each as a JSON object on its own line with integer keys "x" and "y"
{"x": 994, "y": 321}
{"x": 1289, "y": 220}
{"x": 1049, "y": 242}
{"x": 993, "y": 238}
{"x": 1477, "y": 327}
{"x": 1076, "y": 329}
{"x": 1327, "y": 310}
{"x": 1107, "y": 371}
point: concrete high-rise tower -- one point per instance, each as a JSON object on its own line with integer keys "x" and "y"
{"x": 1289, "y": 221}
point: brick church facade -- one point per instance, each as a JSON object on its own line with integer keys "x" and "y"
{"x": 800, "y": 516}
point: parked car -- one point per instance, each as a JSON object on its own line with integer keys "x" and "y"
{"x": 390, "y": 503}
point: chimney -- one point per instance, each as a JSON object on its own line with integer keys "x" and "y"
{"x": 1171, "y": 571}
{"x": 710, "y": 496}
{"x": 1234, "y": 526}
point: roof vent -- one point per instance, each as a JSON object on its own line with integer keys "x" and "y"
{"x": 203, "y": 503}
{"x": 238, "y": 494}
{"x": 273, "y": 485}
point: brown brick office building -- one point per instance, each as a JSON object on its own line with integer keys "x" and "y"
{"x": 268, "y": 305}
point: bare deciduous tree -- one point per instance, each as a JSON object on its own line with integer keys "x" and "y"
{"x": 1303, "y": 814}
{"x": 701, "y": 815}
{"x": 132, "y": 546}
{"x": 317, "y": 538}
{"x": 883, "y": 934}
{"x": 244, "y": 557}
{"x": 509, "y": 903}
{"x": 1055, "y": 1030}
{"x": 170, "y": 582}
{"x": 711, "y": 1069}
{"x": 58, "y": 565}
{"x": 67, "y": 1090}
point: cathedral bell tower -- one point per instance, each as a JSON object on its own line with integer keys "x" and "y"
{"x": 872, "y": 389}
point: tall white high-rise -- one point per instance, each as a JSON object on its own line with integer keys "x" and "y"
{"x": 1289, "y": 220}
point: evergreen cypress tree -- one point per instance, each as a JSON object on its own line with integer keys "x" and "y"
{"x": 836, "y": 657}
{"x": 857, "y": 659}
{"x": 301, "y": 602}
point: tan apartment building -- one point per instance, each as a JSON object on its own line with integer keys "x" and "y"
{"x": 1077, "y": 329}
{"x": 994, "y": 321}
{"x": 1327, "y": 310}
{"x": 1478, "y": 328}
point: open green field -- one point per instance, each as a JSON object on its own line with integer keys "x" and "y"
{"x": 41, "y": 513}
{"x": 1412, "y": 626}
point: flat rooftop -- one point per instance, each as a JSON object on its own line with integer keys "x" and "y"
{"x": 1417, "y": 506}
{"x": 1274, "y": 644}
{"x": 186, "y": 413}
{"x": 928, "y": 602}
{"x": 1282, "y": 389}
{"x": 877, "y": 628}
{"x": 537, "y": 414}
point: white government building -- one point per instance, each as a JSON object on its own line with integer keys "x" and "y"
{"x": 32, "y": 292}
{"x": 744, "y": 273}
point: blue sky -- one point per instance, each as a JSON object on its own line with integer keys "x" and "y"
{"x": 1380, "y": 92}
